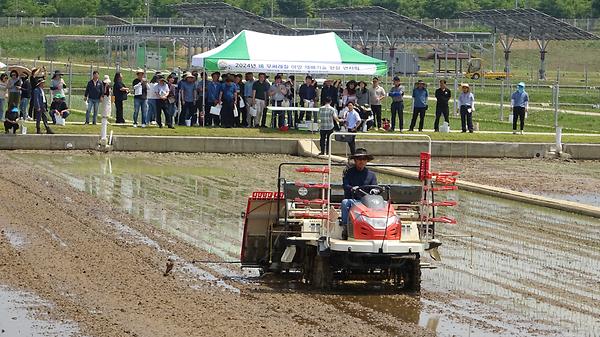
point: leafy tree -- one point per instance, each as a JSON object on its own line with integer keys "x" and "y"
{"x": 75, "y": 8}
{"x": 28, "y": 8}
{"x": 122, "y": 8}
{"x": 595, "y": 8}
{"x": 295, "y": 8}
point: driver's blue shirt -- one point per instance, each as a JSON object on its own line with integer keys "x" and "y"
{"x": 354, "y": 177}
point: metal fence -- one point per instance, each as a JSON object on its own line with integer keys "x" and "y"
{"x": 587, "y": 24}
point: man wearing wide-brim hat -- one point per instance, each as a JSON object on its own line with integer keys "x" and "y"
{"x": 40, "y": 106}
{"x": 188, "y": 92}
{"x": 355, "y": 177}
{"x": 140, "y": 97}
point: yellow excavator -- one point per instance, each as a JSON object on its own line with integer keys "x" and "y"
{"x": 475, "y": 71}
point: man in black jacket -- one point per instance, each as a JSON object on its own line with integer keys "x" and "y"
{"x": 93, "y": 96}
{"x": 25, "y": 96}
{"x": 40, "y": 107}
{"x": 330, "y": 91}
{"x": 442, "y": 94}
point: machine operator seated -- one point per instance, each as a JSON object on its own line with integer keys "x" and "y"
{"x": 354, "y": 178}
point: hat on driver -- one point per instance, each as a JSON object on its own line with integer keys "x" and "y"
{"x": 361, "y": 153}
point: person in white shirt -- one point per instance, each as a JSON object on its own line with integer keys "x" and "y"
{"x": 466, "y": 102}
{"x": 161, "y": 90}
{"x": 152, "y": 99}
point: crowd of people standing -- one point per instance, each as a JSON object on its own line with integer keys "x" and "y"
{"x": 236, "y": 100}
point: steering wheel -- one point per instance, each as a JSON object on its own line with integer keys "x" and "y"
{"x": 367, "y": 190}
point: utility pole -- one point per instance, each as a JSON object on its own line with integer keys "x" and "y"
{"x": 148, "y": 11}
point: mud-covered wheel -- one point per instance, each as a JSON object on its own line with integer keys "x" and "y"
{"x": 412, "y": 275}
{"x": 322, "y": 277}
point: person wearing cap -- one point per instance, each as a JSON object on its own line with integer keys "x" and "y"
{"x": 397, "y": 108}
{"x": 120, "y": 92}
{"x": 358, "y": 175}
{"x": 161, "y": 91}
{"x": 213, "y": 89}
{"x": 40, "y": 106}
{"x": 140, "y": 97}
{"x": 10, "y": 120}
{"x": 228, "y": 96}
{"x": 327, "y": 118}
{"x": 260, "y": 90}
{"x": 377, "y": 94}
{"x": 442, "y": 95}
{"x": 308, "y": 94}
{"x": 420, "y": 96}
{"x": 188, "y": 91}
{"x": 466, "y": 102}
{"x": 93, "y": 96}
{"x": 57, "y": 84}
{"x": 519, "y": 101}
{"x": 277, "y": 92}
{"x": 58, "y": 107}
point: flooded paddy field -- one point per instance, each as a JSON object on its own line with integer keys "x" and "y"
{"x": 507, "y": 269}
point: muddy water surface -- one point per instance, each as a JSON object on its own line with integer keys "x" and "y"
{"x": 507, "y": 269}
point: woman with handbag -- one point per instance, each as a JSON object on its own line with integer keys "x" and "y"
{"x": 120, "y": 92}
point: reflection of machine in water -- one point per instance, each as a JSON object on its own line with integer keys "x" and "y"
{"x": 390, "y": 227}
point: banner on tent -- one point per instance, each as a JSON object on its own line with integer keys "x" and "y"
{"x": 297, "y": 67}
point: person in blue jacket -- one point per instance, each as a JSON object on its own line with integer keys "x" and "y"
{"x": 420, "y": 96}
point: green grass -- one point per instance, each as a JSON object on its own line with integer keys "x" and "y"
{"x": 486, "y": 116}
{"x": 254, "y": 133}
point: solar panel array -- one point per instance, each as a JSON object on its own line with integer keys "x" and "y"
{"x": 378, "y": 19}
{"x": 527, "y": 24}
{"x": 221, "y": 14}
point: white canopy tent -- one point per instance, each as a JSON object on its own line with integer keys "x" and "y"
{"x": 251, "y": 51}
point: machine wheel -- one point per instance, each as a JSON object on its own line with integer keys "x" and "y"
{"x": 412, "y": 275}
{"x": 475, "y": 76}
{"x": 322, "y": 276}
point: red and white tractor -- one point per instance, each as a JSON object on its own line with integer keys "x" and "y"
{"x": 390, "y": 226}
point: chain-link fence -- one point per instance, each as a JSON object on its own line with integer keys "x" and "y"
{"x": 587, "y": 24}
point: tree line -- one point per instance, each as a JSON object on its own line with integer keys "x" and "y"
{"x": 292, "y": 8}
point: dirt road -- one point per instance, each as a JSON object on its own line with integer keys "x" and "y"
{"x": 103, "y": 269}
